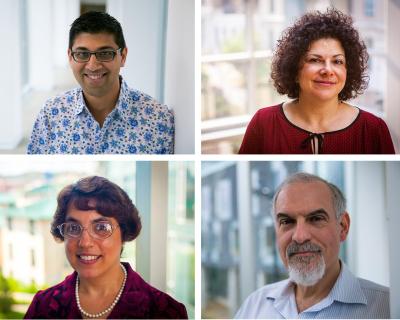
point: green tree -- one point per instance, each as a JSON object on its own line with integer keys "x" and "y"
{"x": 6, "y": 300}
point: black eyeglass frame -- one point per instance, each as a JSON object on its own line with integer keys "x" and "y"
{"x": 89, "y": 230}
{"x": 115, "y": 52}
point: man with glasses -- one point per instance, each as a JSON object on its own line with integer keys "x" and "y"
{"x": 311, "y": 221}
{"x": 104, "y": 115}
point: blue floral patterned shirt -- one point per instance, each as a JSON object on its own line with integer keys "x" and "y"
{"x": 138, "y": 124}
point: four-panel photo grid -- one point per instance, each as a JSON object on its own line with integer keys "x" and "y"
{"x": 199, "y": 159}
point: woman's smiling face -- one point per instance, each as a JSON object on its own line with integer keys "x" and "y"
{"x": 322, "y": 73}
{"x": 91, "y": 257}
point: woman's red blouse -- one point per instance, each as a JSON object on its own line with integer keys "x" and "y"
{"x": 270, "y": 132}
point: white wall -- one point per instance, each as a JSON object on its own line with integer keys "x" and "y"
{"x": 143, "y": 23}
{"x": 368, "y": 243}
{"x": 64, "y": 13}
{"x": 40, "y": 35}
{"x": 392, "y": 205}
{"x": 10, "y": 81}
{"x": 179, "y": 72}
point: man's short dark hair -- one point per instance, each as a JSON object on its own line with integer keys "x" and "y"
{"x": 102, "y": 195}
{"x": 97, "y": 22}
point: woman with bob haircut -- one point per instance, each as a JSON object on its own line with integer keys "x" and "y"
{"x": 94, "y": 218}
{"x": 320, "y": 62}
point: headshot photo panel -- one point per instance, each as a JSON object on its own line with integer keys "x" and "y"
{"x": 300, "y": 77}
{"x": 300, "y": 239}
{"x": 98, "y": 77}
{"x": 97, "y": 239}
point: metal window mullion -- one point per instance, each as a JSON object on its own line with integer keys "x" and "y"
{"x": 251, "y": 74}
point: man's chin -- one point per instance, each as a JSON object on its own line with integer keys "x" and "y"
{"x": 97, "y": 92}
{"x": 306, "y": 272}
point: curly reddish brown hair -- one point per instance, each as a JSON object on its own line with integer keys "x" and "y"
{"x": 296, "y": 41}
{"x": 108, "y": 199}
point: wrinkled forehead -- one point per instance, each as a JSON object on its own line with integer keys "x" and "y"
{"x": 303, "y": 197}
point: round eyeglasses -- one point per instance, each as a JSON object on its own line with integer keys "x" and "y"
{"x": 102, "y": 55}
{"x": 99, "y": 230}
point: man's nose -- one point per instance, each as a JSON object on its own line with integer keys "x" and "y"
{"x": 301, "y": 232}
{"x": 93, "y": 63}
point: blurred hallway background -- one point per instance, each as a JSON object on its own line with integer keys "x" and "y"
{"x": 238, "y": 38}
{"x": 30, "y": 259}
{"x": 239, "y": 253}
{"x": 160, "y": 40}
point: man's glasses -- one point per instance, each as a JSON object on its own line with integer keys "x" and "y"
{"x": 102, "y": 56}
{"x": 99, "y": 230}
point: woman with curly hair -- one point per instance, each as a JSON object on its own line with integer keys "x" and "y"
{"x": 320, "y": 62}
{"x": 94, "y": 218}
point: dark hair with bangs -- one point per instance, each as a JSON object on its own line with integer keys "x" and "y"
{"x": 97, "y": 22}
{"x": 102, "y": 195}
{"x": 296, "y": 41}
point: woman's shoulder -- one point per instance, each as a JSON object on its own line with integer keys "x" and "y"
{"x": 158, "y": 303}
{"x": 63, "y": 287}
{"x": 370, "y": 119}
{"x": 267, "y": 117}
{"x": 54, "y": 301}
{"x": 270, "y": 111}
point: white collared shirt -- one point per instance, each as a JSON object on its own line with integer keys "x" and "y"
{"x": 350, "y": 297}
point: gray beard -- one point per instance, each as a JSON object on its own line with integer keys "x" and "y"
{"x": 305, "y": 271}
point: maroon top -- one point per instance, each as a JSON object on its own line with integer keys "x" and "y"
{"x": 138, "y": 300}
{"x": 271, "y": 132}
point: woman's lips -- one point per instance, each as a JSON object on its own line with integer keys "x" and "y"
{"x": 88, "y": 259}
{"x": 324, "y": 83}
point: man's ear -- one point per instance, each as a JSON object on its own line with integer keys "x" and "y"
{"x": 124, "y": 53}
{"x": 344, "y": 225}
{"x": 69, "y": 51}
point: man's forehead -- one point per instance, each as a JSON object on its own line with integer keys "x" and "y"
{"x": 101, "y": 39}
{"x": 305, "y": 195}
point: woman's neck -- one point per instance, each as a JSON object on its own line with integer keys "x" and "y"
{"x": 319, "y": 116}
{"x": 315, "y": 111}
{"x": 106, "y": 283}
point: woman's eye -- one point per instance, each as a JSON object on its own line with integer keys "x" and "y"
{"x": 103, "y": 227}
{"x": 339, "y": 61}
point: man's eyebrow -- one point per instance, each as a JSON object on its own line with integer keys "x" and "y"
{"x": 101, "y": 48}
{"x": 283, "y": 215}
{"x": 70, "y": 219}
{"x": 318, "y": 211}
{"x": 312, "y": 213}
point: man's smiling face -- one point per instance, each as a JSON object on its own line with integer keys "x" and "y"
{"x": 97, "y": 78}
{"x": 308, "y": 231}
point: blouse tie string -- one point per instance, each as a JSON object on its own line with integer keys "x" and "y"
{"x": 316, "y": 140}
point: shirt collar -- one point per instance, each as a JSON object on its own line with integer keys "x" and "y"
{"x": 124, "y": 101}
{"x": 121, "y": 105}
{"x": 80, "y": 104}
{"x": 346, "y": 289}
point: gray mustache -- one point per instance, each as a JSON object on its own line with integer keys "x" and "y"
{"x": 294, "y": 247}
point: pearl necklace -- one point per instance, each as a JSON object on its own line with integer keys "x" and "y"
{"x": 98, "y": 315}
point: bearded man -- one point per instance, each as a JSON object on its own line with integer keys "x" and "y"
{"x": 310, "y": 223}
